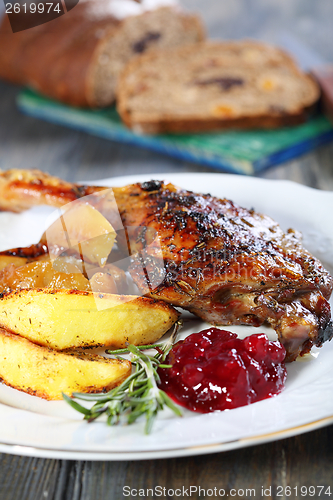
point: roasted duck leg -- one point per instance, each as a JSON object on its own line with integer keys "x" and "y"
{"x": 23, "y": 189}
{"x": 226, "y": 264}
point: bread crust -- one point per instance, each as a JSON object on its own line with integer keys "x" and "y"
{"x": 198, "y": 125}
{"x": 58, "y": 58}
{"x": 54, "y": 58}
{"x": 165, "y": 123}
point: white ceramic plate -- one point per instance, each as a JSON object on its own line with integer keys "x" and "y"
{"x": 30, "y": 426}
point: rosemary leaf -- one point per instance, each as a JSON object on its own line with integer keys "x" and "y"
{"x": 138, "y": 395}
{"x": 126, "y": 350}
{"x": 75, "y": 405}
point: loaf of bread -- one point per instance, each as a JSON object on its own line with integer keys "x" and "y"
{"x": 77, "y": 58}
{"x": 214, "y": 85}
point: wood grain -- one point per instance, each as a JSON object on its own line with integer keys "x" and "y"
{"x": 25, "y": 143}
{"x": 304, "y": 460}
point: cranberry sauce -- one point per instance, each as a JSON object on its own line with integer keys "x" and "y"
{"x": 215, "y": 370}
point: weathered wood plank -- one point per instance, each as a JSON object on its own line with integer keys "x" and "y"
{"x": 304, "y": 460}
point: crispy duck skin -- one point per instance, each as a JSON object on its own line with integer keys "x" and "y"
{"x": 23, "y": 189}
{"x": 226, "y": 264}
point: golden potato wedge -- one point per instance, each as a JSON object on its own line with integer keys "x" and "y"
{"x": 63, "y": 319}
{"x": 47, "y": 373}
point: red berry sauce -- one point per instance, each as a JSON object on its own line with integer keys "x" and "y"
{"x": 215, "y": 370}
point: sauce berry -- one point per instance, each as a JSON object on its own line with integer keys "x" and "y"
{"x": 214, "y": 370}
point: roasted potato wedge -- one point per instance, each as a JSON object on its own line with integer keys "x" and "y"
{"x": 63, "y": 319}
{"x": 47, "y": 373}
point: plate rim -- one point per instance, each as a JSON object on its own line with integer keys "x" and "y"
{"x": 40, "y": 452}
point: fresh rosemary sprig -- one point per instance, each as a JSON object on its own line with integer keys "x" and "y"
{"x": 138, "y": 395}
{"x": 140, "y": 347}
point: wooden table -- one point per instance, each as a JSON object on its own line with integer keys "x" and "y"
{"x": 25, "y": 143}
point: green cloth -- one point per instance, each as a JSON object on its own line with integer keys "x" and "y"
{"x": 245, "y": 152}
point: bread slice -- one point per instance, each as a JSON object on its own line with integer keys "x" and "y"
{"x": 77, "y": 58}
{"x": 214, "y": 85}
